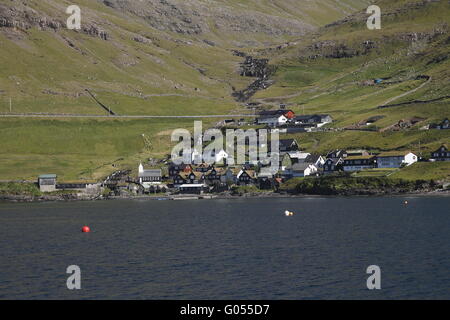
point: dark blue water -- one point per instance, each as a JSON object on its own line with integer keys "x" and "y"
{"x": 227, "y": 249}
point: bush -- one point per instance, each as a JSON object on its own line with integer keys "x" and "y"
{"x": 241, "y": 190}
{"x": 334, "y": 185}
{"x": 15, "y": 188}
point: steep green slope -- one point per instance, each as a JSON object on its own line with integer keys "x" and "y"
{"x": 330, "y": 72}
{"x": 152, "y": 57}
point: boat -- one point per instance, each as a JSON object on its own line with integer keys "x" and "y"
{"x": 288, "y": 213}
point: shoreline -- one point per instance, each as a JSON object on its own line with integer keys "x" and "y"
{"x": 184, "y": 197}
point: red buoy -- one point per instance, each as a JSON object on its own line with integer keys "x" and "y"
{"x": 85, "y": 229}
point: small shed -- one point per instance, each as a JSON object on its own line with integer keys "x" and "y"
{"x": 47, "y": 182}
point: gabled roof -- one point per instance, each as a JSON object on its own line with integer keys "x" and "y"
{"x": 151, "y": 173}
{"x": 310, "y": 116}
{"x": 334, "y": 161}
{"x": 442, "y": 146}
{"x": 185, "y": 175}
{"x": 287, "y": 142}
{"x": 298, "y": 154}
{"x": 394, "y": 154}
{"x": 359, "y": 157}
{"x": 339, "y": 153}
{"x": 312, "y": 158}
{"x": 301, "y": 166}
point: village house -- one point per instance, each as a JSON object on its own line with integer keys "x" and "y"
{"x": 213, "y": 176}
{"x": 192, "y": 188}
{"x": 203, "y": 167}
{"x": 189, "y": 178}
{"x": 395, "y": 159}
{"x": 272, "y": 120}
{"x": 441, "y": 154}
{"x": 303, "y": 169}
{"x": 287, "y": 145}
{"x": 318, "y": 119}
{"x": 338, "y": 153}
{"x": 150, "y": 180}
{"x": 316, "y": 159}
{"x": 285, "y": 162}
{"x": 267, "y": 181}
{"x": 332, "y": 165}
{"x": 445, "y": 124}
{"x": 149, "y": 177}
{"x": 245, "y": 177}
{"x": 47, "y": 182}
{"x": 175, "y": 169}
{"x": 289, "y": 114}
{"x": 296, "y": 128}
{"x": 275, "y": 118}
{"x": 357, "y": 152}
{"x": 227, "y": 176}
{"x": 298, "y": 156}
{"x": 358, "y": 163}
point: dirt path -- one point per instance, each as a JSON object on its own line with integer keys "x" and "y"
{"x": 407, "y": 93}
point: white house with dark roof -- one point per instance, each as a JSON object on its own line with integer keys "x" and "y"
{"x": 395, "y": 159}
{"x": 303, "y": 169}
{"x": 315, "y": 159}
{"x": 273, "y": 120}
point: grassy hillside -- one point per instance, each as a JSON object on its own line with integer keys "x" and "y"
{"x": 180, "y": 62}
{"x": 156, "y": 59}
{"x": 328, "y": 73}
{"x": 81, "y": 149}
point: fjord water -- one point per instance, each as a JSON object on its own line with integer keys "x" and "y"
{"x": 227, "y": 249}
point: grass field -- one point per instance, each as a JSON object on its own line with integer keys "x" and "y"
{"x": 81, "y": 149}
{"x": 425, "y": 171}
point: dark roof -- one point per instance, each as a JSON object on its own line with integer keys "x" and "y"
{"x": 312, "y": 158}
{"x": 338, "y": 152}
{"x": 334, "y": 161}
{"x": 300, "y": 166}
{"x": 151, "y": 173}
{"x": 307, "y": 117}
{"x": 287, "y": 142}
{"x": 274, "y": 112}
{"x": 439, "y": 149}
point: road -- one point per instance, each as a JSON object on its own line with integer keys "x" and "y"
{"x": 60, "y": 115}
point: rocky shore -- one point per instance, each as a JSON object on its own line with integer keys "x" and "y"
{"x": 268, "y": 194}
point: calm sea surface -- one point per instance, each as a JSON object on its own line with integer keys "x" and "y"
{"x": 227, "y": 249}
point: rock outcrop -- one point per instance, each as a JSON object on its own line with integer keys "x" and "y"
{"x": 23, "y": 18}
{"x": 258, "y": 68}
